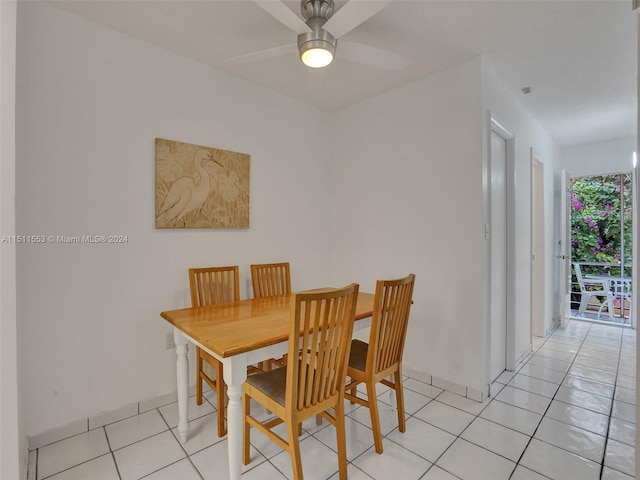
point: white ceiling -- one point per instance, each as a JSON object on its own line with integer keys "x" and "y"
{"x": 578, "y": 57}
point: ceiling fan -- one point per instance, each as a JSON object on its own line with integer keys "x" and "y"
{"x": 318, "y": 34}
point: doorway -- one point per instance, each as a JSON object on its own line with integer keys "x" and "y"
{"x": 601, "y": 247}
{"x": 501, "y": 211}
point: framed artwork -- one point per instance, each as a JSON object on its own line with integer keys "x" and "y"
{"x": 200, "y": 187}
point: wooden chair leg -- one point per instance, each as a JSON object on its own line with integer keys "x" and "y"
{"x": 221, "y": 395}
{"x": 294, "y": 450}
{"x": 199, "y": 365}
{"x": 400, "y": 401}
{"x": 341, "y": 438}
{"x": 246, "y": 446}
{"x": 375, "y": 416}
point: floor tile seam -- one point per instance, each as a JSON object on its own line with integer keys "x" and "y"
{"x": 81, "y": 463}
{"x": 460, "y": 437}
{"x": 113, "y": 457}
{"x": 441, "y": 468}
{"x": 386, "y": 437}
{"x": 454, "y": 435}
{"x": 591, "y": 379}
{"x": 88, "y": 460}
{"x": 488, "y": 449}
{"x": 600, "y": 464}
{"x": 576, "y": 426}
{"x": 596, "y": 369}
{"x": 418, "y": 393}
{"x": 530, "y": 469}
{"x": 589, "y": 392}
{"x": 537, "y": 378}
{"x": 522, "y": 408}
{"x": 152, "y": 436}
{"x": 518, "y": 462}
{"x": 549, "y": 406}
{"x": 550, "y": 368}
{"x": 182, "y": 444}
{"x": 606, "y": 443}
{"x": 623, "y": 442}
{"x": 452, "y": 406}
{"x": 476, "y": 416}
{"x": 170, "y": 464}
{"x": 140, "y": 439}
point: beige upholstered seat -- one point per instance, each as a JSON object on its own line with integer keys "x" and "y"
{"x": 373, "y": 362}
{"x": 313, "y": 381}
{"x": 211, "y": 286}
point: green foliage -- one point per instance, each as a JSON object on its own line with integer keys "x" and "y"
{"x": 595, "y": 218}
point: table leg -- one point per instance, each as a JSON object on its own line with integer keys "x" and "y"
{"x": 182, "y": 370}
{"x": 235, "y": 373}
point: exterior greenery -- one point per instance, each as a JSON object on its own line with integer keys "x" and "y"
{"x": 596, "y": 210}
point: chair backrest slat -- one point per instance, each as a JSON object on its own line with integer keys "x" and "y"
{"x": 214, "y": 285}
{"x": 270, "y": 279}
{"x": 389, "y": 323}
{"x": 323, "y": 322}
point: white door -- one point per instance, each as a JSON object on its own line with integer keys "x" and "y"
{"x": 564, "y": 257}
{"x": 537, "y": 248}
{"x": 498, "y": 165}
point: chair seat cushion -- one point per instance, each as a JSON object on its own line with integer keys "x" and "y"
{"x": 358, "y": 355}
{"x": 272, "y": 383}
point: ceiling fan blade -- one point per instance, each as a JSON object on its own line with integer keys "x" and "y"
{"x": 263, "y": 54}
{"x": 281, "y": 12}
{"x": 352, "y": 14}
{"x": 374, "y": 56}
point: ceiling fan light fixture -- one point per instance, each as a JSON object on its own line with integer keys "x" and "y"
{"x": 316, "y": 54}
{"x": 317, "y": 47}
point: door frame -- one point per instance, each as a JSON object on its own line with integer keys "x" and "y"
{"x": 498, "y": 127}
{"x": 537, "y": 231}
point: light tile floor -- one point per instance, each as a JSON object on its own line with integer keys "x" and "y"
{"x": 567, "y": 413}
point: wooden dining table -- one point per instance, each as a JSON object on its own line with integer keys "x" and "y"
{"x": 238, "y": 334}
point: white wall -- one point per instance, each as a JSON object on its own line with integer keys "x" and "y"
{"x": 408, "y": 199}
{"x": 398, "y": 190}
{"x": 612, "y": 156}
{"x": 13, "y": 452}
{"x": 507, "y": 109}
{"x": 91, "y": 101}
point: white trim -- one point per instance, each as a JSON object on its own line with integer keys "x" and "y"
{"x": 497, "y": 127}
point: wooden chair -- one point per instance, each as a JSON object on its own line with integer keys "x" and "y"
{"x": 382, "y": 356}
{"x": 314, "y": 379}
{"x": 211, "y": 286}
{"x": 270, "y": 279}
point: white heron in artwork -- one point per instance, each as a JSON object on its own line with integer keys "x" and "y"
{"x": 187, "y": 194}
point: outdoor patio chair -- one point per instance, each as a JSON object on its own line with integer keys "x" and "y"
{"x": 591, "y": 287}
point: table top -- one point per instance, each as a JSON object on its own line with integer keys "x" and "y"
{"x": 238, "y": 327}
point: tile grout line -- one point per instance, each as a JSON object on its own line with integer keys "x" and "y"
{"x": 552, "y": 399}
{"x": 615, "y": 386}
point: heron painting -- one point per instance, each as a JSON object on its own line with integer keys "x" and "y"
{"x": 200, "y": 187}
